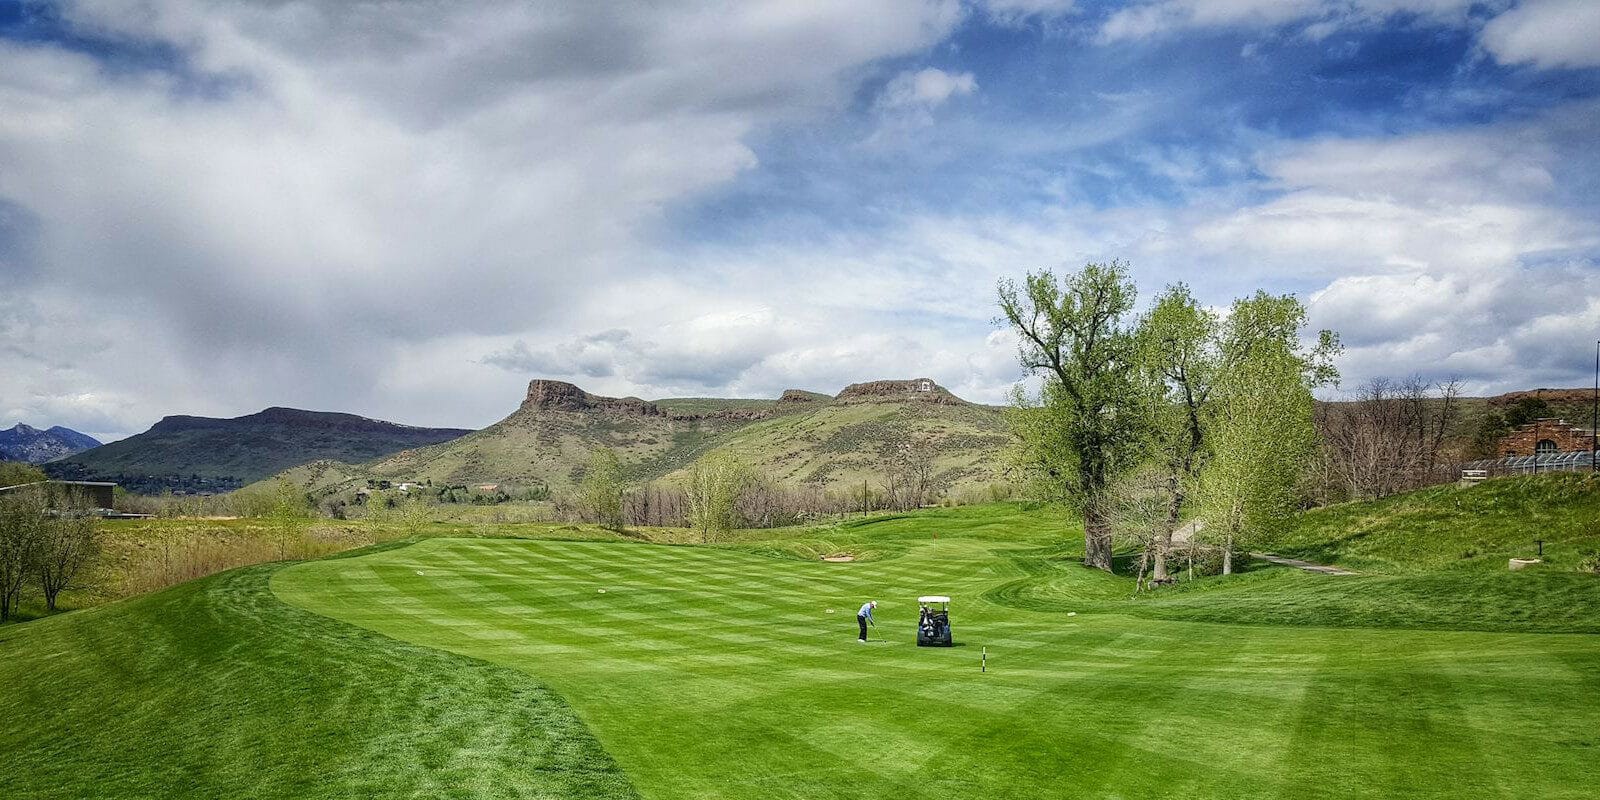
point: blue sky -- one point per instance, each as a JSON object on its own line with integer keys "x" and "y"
{"x": 408, "y": 210}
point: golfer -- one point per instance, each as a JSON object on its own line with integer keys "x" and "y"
{"x": 864, "y": 616}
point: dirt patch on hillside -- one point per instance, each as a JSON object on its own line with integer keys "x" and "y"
{"x": 838, "y": 557}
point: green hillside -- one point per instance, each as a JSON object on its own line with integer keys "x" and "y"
{"x": 801, "y": 438}
{"x": 1453, "y": 527}
{"x": 552, "y": 435}
{"x": 209, "y": 454}
{"x": 494, "y": 667}
{"x": 845, "y": 443}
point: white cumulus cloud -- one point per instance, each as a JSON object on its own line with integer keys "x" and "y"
{"x": 1546, "y": 33}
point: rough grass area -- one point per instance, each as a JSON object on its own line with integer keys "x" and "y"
{"x": 218, "y": 689}
{"x": 1454, "y": 528}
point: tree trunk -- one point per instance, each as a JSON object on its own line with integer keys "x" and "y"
{"x": 1164, "y": 543}
{"x": 1227, "y": 554}
{"x": 1096, "y": 535}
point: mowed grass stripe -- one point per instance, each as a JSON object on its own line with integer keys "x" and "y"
{"x": 218, "y": 689}
{"x": 708, "y": 672}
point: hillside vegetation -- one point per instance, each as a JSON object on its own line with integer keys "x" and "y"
{"x": 843, "y": 444}
{"x": 1452, "y": 527}
{"x": 209, "y": 454}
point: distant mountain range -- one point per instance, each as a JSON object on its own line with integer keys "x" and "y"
{"x": 799, "y": 439}
{"x": 184, "y": 453}
{"x": 31, "y": 445}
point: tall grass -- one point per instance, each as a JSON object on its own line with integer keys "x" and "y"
{"x": 195, "y": 552}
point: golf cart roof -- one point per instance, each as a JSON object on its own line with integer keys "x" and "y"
{"x": 933, "y": 598}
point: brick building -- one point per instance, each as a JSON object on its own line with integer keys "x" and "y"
{"x": 1543, "y": 436}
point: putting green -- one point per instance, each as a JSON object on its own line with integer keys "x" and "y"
{"x": 716, "y": 673}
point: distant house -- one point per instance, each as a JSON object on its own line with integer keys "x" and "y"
{"x": 1546, "y": 436}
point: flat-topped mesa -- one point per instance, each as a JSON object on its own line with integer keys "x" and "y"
{"x": 799, "y": 396}
{"x": 563, "y": 396}
{"x": 918, "y": 390}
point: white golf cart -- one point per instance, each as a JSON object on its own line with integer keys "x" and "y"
{"x": 933, "y": 623}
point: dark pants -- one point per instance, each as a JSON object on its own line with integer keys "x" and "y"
{"x": 862, "y": 621}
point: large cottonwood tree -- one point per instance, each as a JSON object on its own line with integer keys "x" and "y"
{"x": 1179, "y": 348}
{"x": 1088, "y": 423}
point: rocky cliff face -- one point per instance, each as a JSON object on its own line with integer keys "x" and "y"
{"x": 801, "y": 397}
{"x": 922, "y": 390}
{"x": 548, "y": 395}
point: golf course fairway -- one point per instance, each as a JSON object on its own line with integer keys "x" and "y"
{"x": 541, "y": 668}
{"x": 707, "y": 672}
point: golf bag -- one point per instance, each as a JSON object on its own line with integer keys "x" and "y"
{"x": 933, "y": 630}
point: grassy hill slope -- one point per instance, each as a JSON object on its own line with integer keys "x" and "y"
{"x": 218, "y": 454}
{"x": 551, "y": 436}
{"x": 800, "y": 438}
{"x": 842, "y": 444}
{"x": 1454, "y": 528}
{"x": 218, "y": 689}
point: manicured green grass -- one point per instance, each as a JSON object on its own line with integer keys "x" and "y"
{"x": 1454, "y": 528}
{"x": 709, "y": 673}
{"x": 217, "y": 689}
{"x": 496, "y": 667}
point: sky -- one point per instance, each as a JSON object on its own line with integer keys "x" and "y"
{"x": 407, "y": 210}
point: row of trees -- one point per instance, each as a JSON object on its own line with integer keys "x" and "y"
{"x": 1218, "y": 407}
{"x": 720, "y": 494}
{"x": 48, "y": 541}
{"x": 1390, "y": 437}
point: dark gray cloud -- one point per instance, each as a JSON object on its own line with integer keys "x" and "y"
{"x": 381, "y": 179}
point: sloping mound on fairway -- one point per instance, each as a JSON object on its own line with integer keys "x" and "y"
{"x": 217, "y": 689}
{"x": 1525, "y": 602}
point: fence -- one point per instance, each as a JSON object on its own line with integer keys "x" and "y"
{"x": 1574, "y": 461}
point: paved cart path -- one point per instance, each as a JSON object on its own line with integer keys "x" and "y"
{"x": 1298, "y": 564}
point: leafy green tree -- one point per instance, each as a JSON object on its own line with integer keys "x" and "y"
{"x": 1180, "y": 350}
{"x": 715, "y": 483}
{"x": 16, "y": 473}
{"x": 377, "y": 506}
{"x": 288, "y": 507}
{"x": 1089, "y": 421}
{"x": 1260, "y": 423}
{"x": 601, "y": 489}
{"x": 22, "y": 521}
{"x": 1526, "y": 410}
{"x": 69, "y": 544}
{"x": 412, "y": 512}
